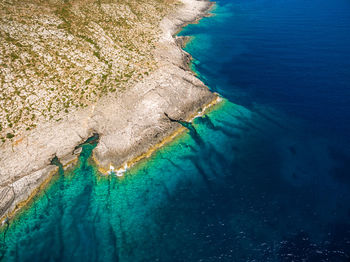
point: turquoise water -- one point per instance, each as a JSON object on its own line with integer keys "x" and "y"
{"x": 83, "y": 216}
{"x": 265, "y": 177}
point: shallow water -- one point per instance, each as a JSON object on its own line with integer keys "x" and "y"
{"x": 264, "y": 177}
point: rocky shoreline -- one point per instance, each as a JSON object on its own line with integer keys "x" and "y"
{"x": 130, "y": 126}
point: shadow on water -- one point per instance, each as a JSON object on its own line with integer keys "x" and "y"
{"x": 56, "y": 162}
{"x": 193, "y": 132}
{"x": 205, "y": 120}
{"x": 39, "y": 232}
{"x": 219, "y": 197}
{"x": 243, "y": 185}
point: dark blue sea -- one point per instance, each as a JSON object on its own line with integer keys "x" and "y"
{"x": 264, "y": 176}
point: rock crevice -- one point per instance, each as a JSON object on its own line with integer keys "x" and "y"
{"x": 128, "y": 124}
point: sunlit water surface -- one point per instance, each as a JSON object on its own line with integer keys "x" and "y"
{"x": 264, "y": 177}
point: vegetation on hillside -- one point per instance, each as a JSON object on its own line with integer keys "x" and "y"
{"x": 58, "y": 56}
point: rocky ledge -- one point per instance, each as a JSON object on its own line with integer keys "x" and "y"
{"x": 128, "y": 125}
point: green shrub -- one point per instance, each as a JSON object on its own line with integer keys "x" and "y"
{"x": 10, "y": 135}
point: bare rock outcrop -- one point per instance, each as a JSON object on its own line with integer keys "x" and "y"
{"x": 128, "y": 124}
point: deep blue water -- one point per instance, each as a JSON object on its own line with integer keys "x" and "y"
{"x": 263, "y": 177}
{"x": 293, "y": 55}
{"x": 288, "y": 62}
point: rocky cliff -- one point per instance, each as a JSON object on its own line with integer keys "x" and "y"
{"x": 119, "y": 79}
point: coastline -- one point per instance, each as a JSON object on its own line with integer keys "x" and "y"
{"x": 121, "y": 169}
{"x": 131, "y": 127}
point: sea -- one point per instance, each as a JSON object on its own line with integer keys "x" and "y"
{"x": 264, "y": 176}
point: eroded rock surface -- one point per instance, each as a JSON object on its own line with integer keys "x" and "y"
{"x": 128, "y": 124}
